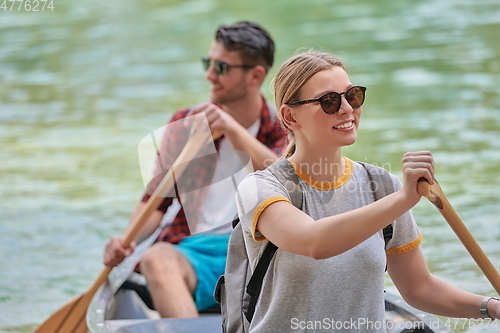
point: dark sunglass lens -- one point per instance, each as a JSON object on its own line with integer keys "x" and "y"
{"x": 355, "y": 96}
{"x": 206, "y": 63}
{"x": 220, "y": 68}
{"x": 330, "y": 102}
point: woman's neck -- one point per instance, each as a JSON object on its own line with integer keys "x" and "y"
{"x": 320, "y": 167}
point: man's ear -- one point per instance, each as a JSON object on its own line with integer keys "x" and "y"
{"x": 288, "y": 117}
{"x": 257, "y": 75}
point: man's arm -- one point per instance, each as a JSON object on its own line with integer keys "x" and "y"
{"x": 115, "y": 253}
{"x": 222, "y": 123}
{"x": 242, "y": 140}
{"x": 172, "y": 142}
{"x": 151, "y": 224}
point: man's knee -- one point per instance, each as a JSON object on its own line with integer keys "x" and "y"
{"x": 161, "y": 256}
{"x": 163, "y": 264}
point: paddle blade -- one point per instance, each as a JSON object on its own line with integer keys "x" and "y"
{"x": 68, "y": 319}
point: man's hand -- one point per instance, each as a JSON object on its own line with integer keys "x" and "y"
{"x": 220, "y": 122}
{"x": 115, "y": 253}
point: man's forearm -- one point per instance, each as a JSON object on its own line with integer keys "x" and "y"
{"x": 151, "y": 224}
{"x": 242, "y": 140}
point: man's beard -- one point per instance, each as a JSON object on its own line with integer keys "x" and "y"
{"x": 235, "y": 94}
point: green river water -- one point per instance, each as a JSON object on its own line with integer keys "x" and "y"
{"x": 82, "y": 84}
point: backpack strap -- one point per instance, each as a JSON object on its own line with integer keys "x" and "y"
{"x": 381, "y": 185}
{"x": 286, "y": 175}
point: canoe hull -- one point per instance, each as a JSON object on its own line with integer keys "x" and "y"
{"x": 124, "y": 312}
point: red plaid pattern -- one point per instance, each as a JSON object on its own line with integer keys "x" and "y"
{"x": 198, "y": 175}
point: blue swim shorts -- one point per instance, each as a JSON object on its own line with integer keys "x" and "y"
{"x": 207, "y": 254}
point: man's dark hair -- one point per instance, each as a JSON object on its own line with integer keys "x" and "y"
{"x": 253, "y": 42}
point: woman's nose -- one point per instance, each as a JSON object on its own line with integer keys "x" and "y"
{"x": 345, "y": 107}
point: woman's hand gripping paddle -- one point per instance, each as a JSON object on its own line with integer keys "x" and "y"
{"x": 436, "y": 196}
{"x": 71, "y": 318}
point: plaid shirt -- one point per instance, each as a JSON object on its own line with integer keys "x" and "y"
{"x": 198, "y": 175}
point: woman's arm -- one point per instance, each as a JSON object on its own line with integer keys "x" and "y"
{"x": 427, "y": 292}
{"x": 294, "y": 231}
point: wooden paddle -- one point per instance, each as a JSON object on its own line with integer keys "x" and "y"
{"x": 71, "y": 317}
{"x": 436, "y": 196}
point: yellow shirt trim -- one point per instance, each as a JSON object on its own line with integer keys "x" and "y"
{"x": 325, "y": 186}
{"x": 256, "y": 215}
{"x": 407, "y": 247}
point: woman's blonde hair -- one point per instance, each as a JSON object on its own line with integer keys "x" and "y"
{"x": 292, "y": 76}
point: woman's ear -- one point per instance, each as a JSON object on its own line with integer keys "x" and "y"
{"x": 288, "y": 118}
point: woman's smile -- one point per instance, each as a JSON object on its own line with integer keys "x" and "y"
{"x": 345, "y": 126}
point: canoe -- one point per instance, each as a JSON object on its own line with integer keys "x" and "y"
{"x": 123, "y": 311}
{"x": 117, "y": 310}
{"x": 106, "y": 315}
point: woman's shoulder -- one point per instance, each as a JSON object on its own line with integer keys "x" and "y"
{"x": 258, "y": 180}
{"x": 258, "y": 174}
{"x": 375, "y": 172}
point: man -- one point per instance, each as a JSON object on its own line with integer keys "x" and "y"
{"x": 181, "y": 269}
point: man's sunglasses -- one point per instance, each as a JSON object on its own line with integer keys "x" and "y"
{"x": 331, "y": 101}
{"x": 220, "y": 67}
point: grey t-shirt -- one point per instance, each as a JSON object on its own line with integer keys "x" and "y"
{"x": 344, "y": 293}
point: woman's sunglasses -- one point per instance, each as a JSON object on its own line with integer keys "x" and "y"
{"x": 331, "y": 101}
{"x": 220, "y": 67}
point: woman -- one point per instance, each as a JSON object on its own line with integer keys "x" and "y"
{"x": 331, "y": 259}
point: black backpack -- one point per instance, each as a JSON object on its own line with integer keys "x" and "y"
{"x": 237, "y": 290}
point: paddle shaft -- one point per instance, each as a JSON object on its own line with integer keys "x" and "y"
{"x": 71, "y": 317}
{"x": 436, "y": 196}
{"x": 166, "y": 185}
